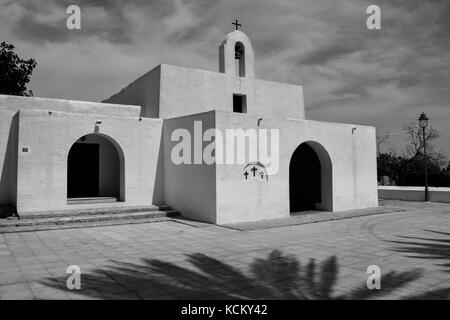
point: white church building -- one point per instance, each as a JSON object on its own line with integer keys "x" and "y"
{"x": 58, "y": 155}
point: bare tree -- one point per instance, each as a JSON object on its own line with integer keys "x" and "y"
{"x": 380, "y": 141}
{"x": 416, "y": 141}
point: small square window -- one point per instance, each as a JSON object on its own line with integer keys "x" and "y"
{"x": 24, "y": 149}
{"x": 239, "y": 103}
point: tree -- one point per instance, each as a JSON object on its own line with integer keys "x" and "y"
{"x": 388, "y": 165}
{"x": 415, "y": 147}
{"x": 412, "y": 172}
{"x": 380, "y": 140}
{"x": 445, "y": 174}
{"x": 447, "y": 170}
{"x": 15, "y": 72}
{"x": 408, "y": 169}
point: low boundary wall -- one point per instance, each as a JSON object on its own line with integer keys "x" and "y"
{"x": 413, "y": 193}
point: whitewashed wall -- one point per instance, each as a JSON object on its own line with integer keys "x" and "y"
{"x": 42, "y": 171}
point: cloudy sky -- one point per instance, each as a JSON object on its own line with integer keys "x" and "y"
{"x": 383, "y": 78}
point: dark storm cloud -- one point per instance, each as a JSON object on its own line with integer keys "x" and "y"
{"x": 421, "y": 23}
{"x": 38, "y": 25}
{"x": 29, "y": 28}
{"x": 359, "y": 90}
{"x": 328, "y": 53}
{"x": 403, "y": 81}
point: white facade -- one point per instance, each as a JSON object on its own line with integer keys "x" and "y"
{"x": 37, "y": 134}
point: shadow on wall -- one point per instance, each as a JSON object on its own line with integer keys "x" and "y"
{"x": 158, "y": 187}
{"x": 278, "y": 276}
{"x": 8, "y": 177}
{"x": 427, "y": 248}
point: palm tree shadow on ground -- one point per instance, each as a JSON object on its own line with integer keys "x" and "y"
{"x": 427, "y": 248}
{"x": 278, "y": 276}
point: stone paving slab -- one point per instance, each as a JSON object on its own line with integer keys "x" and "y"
{"x": 311, "y": 217}
{"x": 13, "y": 227}
{"x": 179, "y": 259}
{"x": 90, "y": 221}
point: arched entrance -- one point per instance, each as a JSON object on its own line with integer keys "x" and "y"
{"x": 310, "y": 178}
{"x": 95, "y": 169}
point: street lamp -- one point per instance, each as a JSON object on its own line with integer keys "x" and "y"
{"x": 423, "y": 122}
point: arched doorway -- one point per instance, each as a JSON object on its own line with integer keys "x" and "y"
{"x": 310, "y": 179}
{"x": 95, "y": 169}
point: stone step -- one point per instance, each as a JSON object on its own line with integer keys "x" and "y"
{"x": 80, "y": 221}
{"x": 91, "y": 200}
{"x": 92, "y": 211}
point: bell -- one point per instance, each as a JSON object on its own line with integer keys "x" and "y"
{"x": 237, "y": 52}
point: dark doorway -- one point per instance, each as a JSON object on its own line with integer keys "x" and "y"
{"x": 95, "y": 170}
{"x": 83, "y": 171}
{"x": 239, "y": 103}
{"x": 305, "y": 186}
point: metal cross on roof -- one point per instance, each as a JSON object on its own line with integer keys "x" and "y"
{"x": 237, "y": 24}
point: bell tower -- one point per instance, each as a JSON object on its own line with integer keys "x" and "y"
{"x": 236, "y": 55}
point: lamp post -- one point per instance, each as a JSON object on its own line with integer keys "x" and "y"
{"x": 423, "y": 122}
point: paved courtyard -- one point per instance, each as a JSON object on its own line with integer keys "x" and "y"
{"x": 180, "y": 259}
